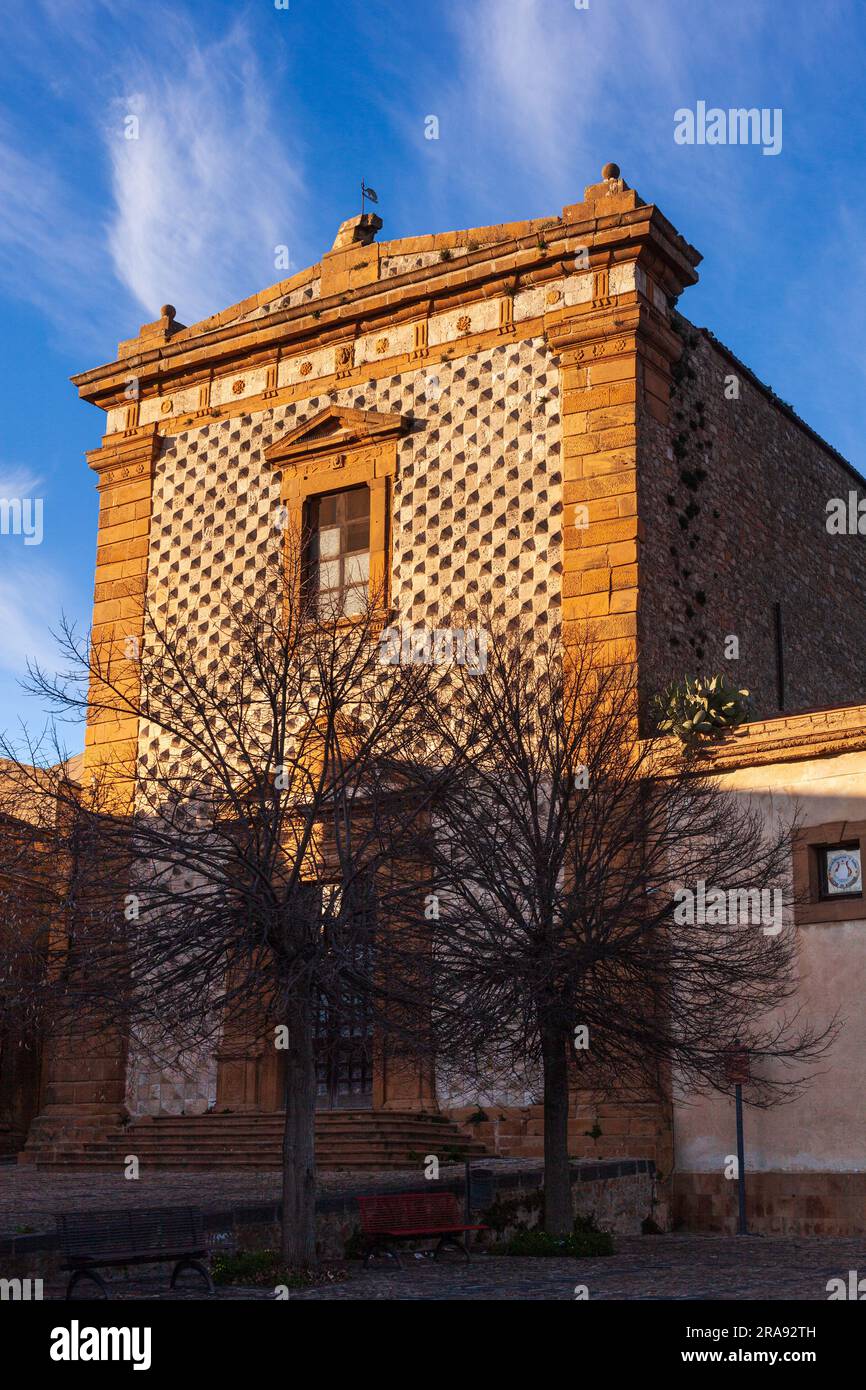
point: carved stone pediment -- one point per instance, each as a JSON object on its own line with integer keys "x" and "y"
{"x": 336, "y": 429}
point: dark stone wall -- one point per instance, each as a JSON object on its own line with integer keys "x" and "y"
{"x": 732, "y": 496}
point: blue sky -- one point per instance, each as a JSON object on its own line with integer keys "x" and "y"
{"x": 256, "y": 125}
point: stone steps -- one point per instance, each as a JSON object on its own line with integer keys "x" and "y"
{"x": 344, "y": 1139}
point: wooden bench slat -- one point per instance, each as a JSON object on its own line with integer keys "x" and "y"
{"x": 109, "y": 1235}
{"x": 413, "y": 1214}
{"x": 136, "y": 1235}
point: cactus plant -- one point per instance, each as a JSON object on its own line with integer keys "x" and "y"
{"x": 701, "y": 710}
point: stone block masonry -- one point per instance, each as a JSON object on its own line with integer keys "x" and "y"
{"x": 732, "y": 493}
{"x": 777, "y": 1203}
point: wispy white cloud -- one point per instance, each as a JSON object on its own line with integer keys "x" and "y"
{"x": 31, "y": 595}
{"x": 539, "y": 93}
{"x": 49, "y": 251}
{"x": 527, "y": 63}
{"x": 28, "y": 585}
{"x": 19, "y": 482}
{"x": 209, "y": 188}
{"x": 190, "y": 212}
{"x": 535, "y": 83}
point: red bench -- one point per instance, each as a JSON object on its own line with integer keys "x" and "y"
{"x": 411, "y": 1216}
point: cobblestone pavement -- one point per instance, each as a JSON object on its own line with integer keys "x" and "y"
{"x": 646, "y": 1268}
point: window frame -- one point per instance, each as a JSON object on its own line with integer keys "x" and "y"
{"x": 333, "y": 451}
{"x": 823, "y": 851}
{"x": 312, "y": 528}
{"x": 812, "y": 906}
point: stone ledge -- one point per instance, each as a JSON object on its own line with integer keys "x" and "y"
{"x": 819, "y": 733}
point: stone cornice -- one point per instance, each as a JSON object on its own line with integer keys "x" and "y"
{"x": 620, "y": 327}
{"x": 125, "y": 457}
{"x": 821, "y": 733}
{"x": 609, "y": 236}
{"x": 329, "y": 320}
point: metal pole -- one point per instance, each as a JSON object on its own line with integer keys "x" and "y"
{"x": 741, "y": 1164}
{"x": 466, "y": 1195}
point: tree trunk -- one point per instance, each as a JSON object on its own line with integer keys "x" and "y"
{"x": 558, "y": 1212}
{"x": 299, "y": 1129}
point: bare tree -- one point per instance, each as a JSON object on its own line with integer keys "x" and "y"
{"x": 231, "y": 865}
{"x": 287, "y": 788}
{"x": 565, "y": 850}
{"x": 34, "y": 879}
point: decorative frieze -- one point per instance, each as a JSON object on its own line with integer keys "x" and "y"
{"x": 601, "y": 288}
{"x": 271, "y": 380}
{"x": 345, "y": 359}
{"x": 420, "y": 346}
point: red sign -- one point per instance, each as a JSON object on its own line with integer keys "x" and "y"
{"x": 737, "y": 1069}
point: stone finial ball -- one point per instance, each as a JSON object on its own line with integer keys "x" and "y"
{"x": 168, "y": 311}
{"x": 610, "y": 171}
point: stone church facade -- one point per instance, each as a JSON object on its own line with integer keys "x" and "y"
{"x": 529, "y": 412}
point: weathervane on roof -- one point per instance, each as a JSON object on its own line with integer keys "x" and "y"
{"x": 368, "y": 193}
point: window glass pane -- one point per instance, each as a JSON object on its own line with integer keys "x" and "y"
{"x": 355, "y": 602}
{"x": 330, "y": 605}
{"x": 329, "y": 574}
{"x": 329, "y": 542}
{"x": 338, "y": 551}
{"x": 358, "y": 535}
{"x": 357, "y": 567}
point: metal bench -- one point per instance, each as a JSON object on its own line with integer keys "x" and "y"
{"x": 93, "y": 1239}
{"x": 411, "y": 1216}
